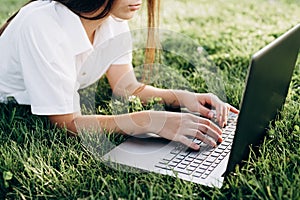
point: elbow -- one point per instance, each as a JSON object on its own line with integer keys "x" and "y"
{"x": 127, "y": 90}
{"x": 67, "y": 122}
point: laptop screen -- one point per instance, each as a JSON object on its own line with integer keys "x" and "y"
{"x": 268, "y": 81}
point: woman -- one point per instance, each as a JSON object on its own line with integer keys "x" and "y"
{"x": 43, "y": 48}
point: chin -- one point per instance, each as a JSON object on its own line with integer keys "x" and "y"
{"x": 124, "y": 16}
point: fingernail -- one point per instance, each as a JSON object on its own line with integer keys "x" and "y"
{"x": 196, "y": 146}
{"x": 220, "y": 140}
{"x": 210, "y": 114}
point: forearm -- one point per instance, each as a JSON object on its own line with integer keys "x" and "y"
{"x": 132, "y": 124}
{"x": 169, "y": 97}
{"x": 123, "y": 83}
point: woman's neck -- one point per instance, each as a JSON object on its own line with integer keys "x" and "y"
{"x": 91, "y": 26}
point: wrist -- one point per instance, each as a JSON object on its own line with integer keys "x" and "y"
{"x": 143, "y": 122}
{"x": 133, "y": 123}
{"x": 182, "y": 97}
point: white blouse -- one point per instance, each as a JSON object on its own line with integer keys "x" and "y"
{"x": 46, "y": 57}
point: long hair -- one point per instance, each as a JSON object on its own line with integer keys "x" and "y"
{"x": 152, "y": 50}
{"x": 88, "y": 6}
{"x": 78, "y": 7}
{"x": 153, "y": 24}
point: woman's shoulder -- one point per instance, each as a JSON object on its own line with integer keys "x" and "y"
{"x": 36, "y": 11}
{"x": 48, "y": 18}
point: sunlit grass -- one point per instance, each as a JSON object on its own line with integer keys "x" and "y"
{"x": 39, "y": 161}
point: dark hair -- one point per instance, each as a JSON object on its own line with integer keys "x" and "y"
{"x": 88, "y": 6}
{"x": 78, "y": 7}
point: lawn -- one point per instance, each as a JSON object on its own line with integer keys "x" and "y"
{"x": 39, "y": 161}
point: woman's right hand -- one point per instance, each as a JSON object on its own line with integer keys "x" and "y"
{"x": 181, "y": 127}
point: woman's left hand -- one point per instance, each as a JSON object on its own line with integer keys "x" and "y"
{"x": 202, "y": 103}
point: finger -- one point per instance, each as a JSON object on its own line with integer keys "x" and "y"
{"x": 215, "y": 102}
{"x": 233, "y": 109}
{"x": 205, "y": 112}
{"x": 202, "y": 120}
{"x": 216, "y": 135}
{"x": 209, "y": 128}
{"x": 218, "y": 114}
{"x": 187, "y": 142}
{"x": 199, "y": 130}
{"x": 210, "y": 124}
{"x": 195, "y": 133}
{"x": 206, "y": 139}
{"x": 223, "y": 114}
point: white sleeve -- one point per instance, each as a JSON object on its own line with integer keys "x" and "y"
{"x": 49, "y": 71}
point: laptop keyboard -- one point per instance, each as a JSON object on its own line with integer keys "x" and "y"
{"x": 200, "y": 164}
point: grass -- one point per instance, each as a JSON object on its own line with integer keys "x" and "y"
{"x": 39, "y": 161}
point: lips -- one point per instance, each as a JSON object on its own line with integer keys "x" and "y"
{"x": 135, "y": 7}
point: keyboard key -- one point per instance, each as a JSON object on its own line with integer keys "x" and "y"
{"x": 214, "y": 165}
{"x": 185, "y": 162}
{"x": 206, "y": 153}
{"x": 164, "y": 162}
{"x": 181, "y": 166}
{"x": 175, "y": 161}
{"x": 193, "y": 154}
{"x": 222, "y": 147}
{"x": 189, "y": 159}
{"x": 194, "y": 164}
{"x": 162, "y": 166}
{"x": 179, "y": 157}
{"x": 230, "y": 137}
{"x": 204, "y": 176}
{"x": 201, "y": 170}
{"x": 172, "y": 164}
{"x": 218, "y": 161}
{"x": 191, "y": 168}
{"x": 219, "y": 151}
{"x": 226, "y": 143}
{"x": 169, "y": 157}
{"x": 201, "y": 157}
{"x": 210, "y": 159}
{"x": 184, "y": 153}
{"x": 210, "y": 169}
{"x": 183, "y": 171}
{"x": 197, "y": 174}
{"x": 177, "y": 149}
{"x": 215, "y": 154}
{"x": 197, "y": 162}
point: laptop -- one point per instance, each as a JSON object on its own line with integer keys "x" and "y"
{"x": 267, "y": 85}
